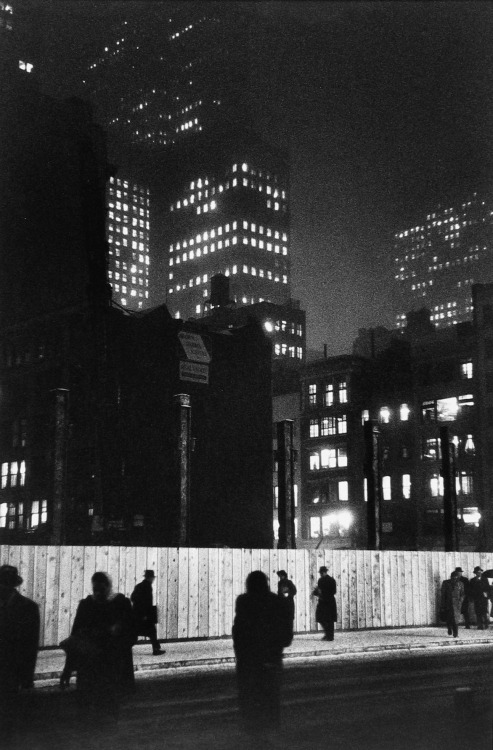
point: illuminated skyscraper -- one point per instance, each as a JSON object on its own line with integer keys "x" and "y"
{"x": 128, "y": 240}
{"x": 173, "y": 90}
{"x": 439, "y": 259}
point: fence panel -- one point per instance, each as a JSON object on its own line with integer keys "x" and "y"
{"x": 196, "y": 589}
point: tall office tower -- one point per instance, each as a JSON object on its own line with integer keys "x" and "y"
{"x": 233, "y": 219}
{"x": 165, "y": 72}
{"x": 128, "y": 240}
{"x": 172, "y": 87}
{"x": 440, "y": 258}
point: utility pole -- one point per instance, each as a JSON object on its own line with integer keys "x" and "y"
{"x": 285, "y": 484}
{"x": 373, "y": 483}
{"x": 59, "y": 468}
{"x": 184, "y": 442}
{"x": 449, "y": 491}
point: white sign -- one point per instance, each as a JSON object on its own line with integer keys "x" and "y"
{"x": 194, "y": 347}
{"x": 195, "y": 372}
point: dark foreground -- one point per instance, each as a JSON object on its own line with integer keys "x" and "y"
{"x": 438, "y": 701}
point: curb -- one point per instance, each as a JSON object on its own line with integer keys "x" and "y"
{"x": 341, "y": 651}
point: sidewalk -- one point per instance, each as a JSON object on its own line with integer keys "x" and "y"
{"x": 199, "y": 653}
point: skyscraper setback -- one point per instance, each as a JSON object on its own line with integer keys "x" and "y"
{"x": 173, "y": 91}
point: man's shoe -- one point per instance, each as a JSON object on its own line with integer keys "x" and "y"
{"x": 158, "y": 652}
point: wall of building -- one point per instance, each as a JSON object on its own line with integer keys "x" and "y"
{"x": 196, "y": 589}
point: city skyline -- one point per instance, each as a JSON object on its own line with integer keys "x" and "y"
{"x": 385, "y": 112}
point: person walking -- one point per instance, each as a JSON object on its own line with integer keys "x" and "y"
{"x": 145, "y": 612}
{"x": 262, "y": 628}
{"x": 452, "y": 597}
{"x": 99, "y": 649}
{"x": 19, "y": 640}
{"x": 326, "y": 611}
{"x": 286, "y": 590}
{"x": 465, "y": 604}
{"x": 479, "y": 591}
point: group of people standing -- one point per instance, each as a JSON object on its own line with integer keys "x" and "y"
{"x": 458, "y": 593}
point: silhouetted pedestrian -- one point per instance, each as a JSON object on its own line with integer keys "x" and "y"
{"x": 326, "y": 612}
{"x": 452, "y": 597}
{"x": 261, "y": 629}
{"x": 145, "y": 612}
{"x": 465, "y": 604}
{"x": 99, "y": 649}
{"x": 19, "y": 638}
{"x": 286, "y": 590}
{"x": 479, "y": 591}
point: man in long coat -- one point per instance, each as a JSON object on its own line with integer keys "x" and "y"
{"x": 479, "y": 591}
{"x": 145, "y": 612}
{"x": 452, "y": 597}
{"x": 326, "y": 612}
{"x": 262, "y": 628}
{"x": 19, "y": 639}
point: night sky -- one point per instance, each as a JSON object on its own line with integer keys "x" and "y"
{"x": 386, "y": 109}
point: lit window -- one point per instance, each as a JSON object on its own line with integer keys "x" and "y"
{"x": 436, "y": 486}
{"x": 314, "y": 527}
{"x": 404, "y": 412}
{"x": 406, "y": 486}
{"x": 314, "y": 462}
{"x": 3, "y": 515}
{"x": 343, "y": 490}
{"x": 312, "y": 392}
{"x": 365, "y": 416}
{"x": 329, "y": 394}
{"x": 466, "y": 370}
{"x": 342, "y": 424}
{"x": 386, "y": 488}
{"x": 314, "y": 428}
{"x": 343, "y": 392}
{"x": 385, "y": 415}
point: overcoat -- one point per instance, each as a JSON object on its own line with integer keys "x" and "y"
{"x": 107, "y": 629}
{"x": 326, "y": 610}
{"x": 144, "y": 611}
{"x": 19, "y": 639}
{"x": 452, "y": 597}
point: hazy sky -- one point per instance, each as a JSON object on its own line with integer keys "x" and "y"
{"x": 385, "y": 107}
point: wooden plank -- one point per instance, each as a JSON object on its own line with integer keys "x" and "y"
{"x": 114, "y": 570}
{"x": 214, "y": 595}
{"x": 237, "y": 578}
{"x": 76, "y": 581}
{"x": 246, "y": 566}
{"x": 227, "y": 591}
{"x": 89, "y": 568}
{"x": 161, "y": 593}
{"x": 39, "y": 593}
{"x": 407, "y": 588}
{"x": 360, "y": 589}
{"x": 221, "y": 622}
{"x": 203, "y": 605}
{"x": 64, "y": 596}
{"x": 367, "y": 573}
{"x": 183, "y": 554}
{"x": 343, "y": 589}
{"x": 52, "y": 595}
{"x": 193, "y": 593}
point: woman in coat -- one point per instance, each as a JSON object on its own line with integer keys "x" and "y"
{"x": 99, "y": 649}
{"x": 452, "y": 596}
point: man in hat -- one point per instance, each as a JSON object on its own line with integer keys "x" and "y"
{"x": 465, "y": 604}
{"x": 326, "y": 612}
{"x": 145, "y": 612}
{"x": 479, "y": 591}
{"x": 19, "y": 640}
{"x": 286, "y": 590}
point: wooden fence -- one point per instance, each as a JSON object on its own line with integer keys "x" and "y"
{"x": 195, "y": 589}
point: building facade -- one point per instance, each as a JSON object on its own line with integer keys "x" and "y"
{"x": 422, "y": 391}
{"x": 438, "y": 260}
{"x": 128, "y": 230}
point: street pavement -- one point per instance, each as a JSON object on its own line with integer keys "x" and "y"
{"x": 211, "y": 652}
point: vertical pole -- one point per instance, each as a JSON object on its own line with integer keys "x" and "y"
{"x": 58, "y": 531}
{"x": 449, "y": 491}
{"x": 184, "y": 454}
{"x": 373, "y": 483}
{"x": 285, "y": 484}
